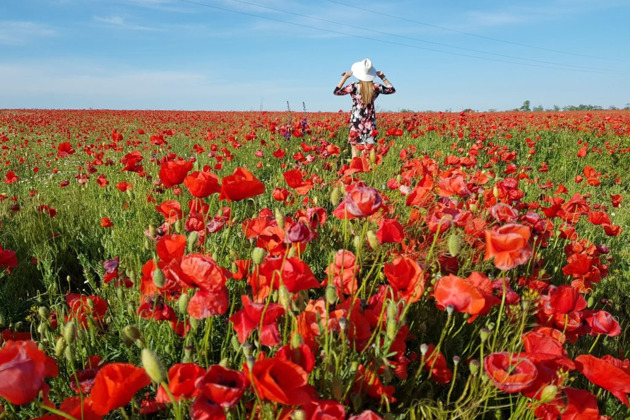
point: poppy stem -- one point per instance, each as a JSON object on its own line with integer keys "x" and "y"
{"x": 55, "y": 411}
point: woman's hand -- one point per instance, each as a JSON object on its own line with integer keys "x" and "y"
{"x": 346, "y": 74}
{"x": 381, "y": 75}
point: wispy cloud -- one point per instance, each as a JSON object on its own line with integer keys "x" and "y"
{"x": 23, "y": 32}
{"x": 119, "y": 22}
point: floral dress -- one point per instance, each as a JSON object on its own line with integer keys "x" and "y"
{"x": 362, "y": 117}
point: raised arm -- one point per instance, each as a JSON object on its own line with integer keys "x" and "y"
{"x": 389, "y": 88}
{"x": 339, "y": 89}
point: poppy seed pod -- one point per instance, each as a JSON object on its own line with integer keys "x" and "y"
{"x": 257, "y": 255}
{"x": 335, "y": 196}
{"x": 182, "y": 303}
{"x": 69, "y": 332}
{"x": 191, "y": 241}
{"x": 158, "y": 278}
{"x": 153, "y": 366}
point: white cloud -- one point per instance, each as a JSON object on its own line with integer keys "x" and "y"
{"x": 119, "y": 22}
{"x": 23, "y": 32}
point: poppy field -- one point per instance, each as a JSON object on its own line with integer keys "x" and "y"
{"x": 232, "y": 265}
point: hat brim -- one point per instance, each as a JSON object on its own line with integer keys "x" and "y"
{"x": 359, "y": 72}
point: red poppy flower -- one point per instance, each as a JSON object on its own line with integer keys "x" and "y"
{"x": 64, "y": 149}
{"x": 360, "y": 201}
{"x": 23, "y": 368}
{"x": 366, "y": 415}
{"x": 114, "y": 386}
{"x": 181, "y": 382}
{"x": 296, "y": 275}
{"x": 295, "y": 180}
{"x": 406, "y": 278}
{"x": 342, "y": 272}
{"x": 240, "y": 185}
{"x": 8, "y": 259}
{"x": 435, "y": 363}
{"x": 202, "y": 184}
{"x": 608, "y": 372}
{"x": 280, "y": 381}
{"x": 171, "y": 210}
{"x": 171, "y": 247}
{"x": 460, "y": 293}
{"x": 173, "y": 172}
{"x": 106, "y": 222}
{"x": 10, "y": 177}
{"x": 325, "y": 409}
{"x": 601, "y": 322}
{"x": 131, "y": 162}
{"x": 207, "y": 303}
{"x": 257, "y": 316}
{"x": 84, "y": 307}
{"x": 302, "y": 355}
{"x": 123, "y": 186}
{"x": 390, "y": 231}
{"x": 509, "y": 245}
{"x": 510, "y": 373}
{"x": 222, "y": 386}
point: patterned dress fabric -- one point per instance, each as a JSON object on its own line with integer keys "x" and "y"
{"x": 362, "y": 117}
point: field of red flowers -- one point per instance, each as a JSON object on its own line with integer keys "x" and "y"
{"x": 212, "y": 265}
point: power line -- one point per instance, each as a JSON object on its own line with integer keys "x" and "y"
{"x": 300, "y": 25}
{"x": 567, "y": 66}
{"x": 352, "y": 6}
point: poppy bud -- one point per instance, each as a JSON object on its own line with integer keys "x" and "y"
{"x": 43, "y": 312}
{"x": 194, "y": 323}
{"x": 146, "y": 244}
{"x": 191, "y": 241}
{"x": 250, "y": 362}
{"x": 474, "y": 366}
{"x": 299, "y": 415}
{"x": 392, "y": 310}
{"x": 548, "y": 393}
{"x": 60, "y": 346}
{"x": 495, "y": 191}
{"x": 337, "y": 388}
{"x": 158, "y": 278}
{"x": 449, "y": 310}
{"x": 182, "y": 303}
{"x": 68, "y": 354}
{"x": 187, "y": 354}
{"x": 132, "y": 333}
{"x": 331, "y": 294}
{"x": 343, "y": 323}
{"x": 373, "y": 156}
{"x": 424, "y": 348}
{"x": 69, "y": 332}
{"x": 178, "y": 226}
{"x": 372, "y": 239}
{"x": 356, "y": 242}
{"x": 284, "y": 297}
{"x": 391, "y": 329}
{"x": 456, "y": 360}
{"x": 291, "y": 252}
{"x": 152, "y": 231}
{"x": 257, "y": 255}
{"x": 247, "y": 349}
{"x": 153, "y": 366}
{"x": 590, "y": 302}
{"x": 279, "y": 218}
{"x": 335, "y": 196}
{"x": 454, "y": 244}
{"x": 41, "y": 328}
{"x": 484, "y": 334}
{"x": 296, "y": 340}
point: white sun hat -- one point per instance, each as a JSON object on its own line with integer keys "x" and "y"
{"x": 363, "y": 70}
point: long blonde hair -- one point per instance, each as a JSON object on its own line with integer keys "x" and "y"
{"x": 366, "y": 89}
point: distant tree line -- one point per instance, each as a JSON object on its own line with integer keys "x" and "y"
{"x": 526, "y": 107}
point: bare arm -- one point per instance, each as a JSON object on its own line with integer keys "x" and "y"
{"x": 383, "y": 78}
{"x": 344, "y": 76}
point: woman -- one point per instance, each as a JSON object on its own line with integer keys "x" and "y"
{"x": 363, "y": 93}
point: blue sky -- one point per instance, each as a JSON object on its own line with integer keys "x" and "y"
{"x": 259, "y": 54}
